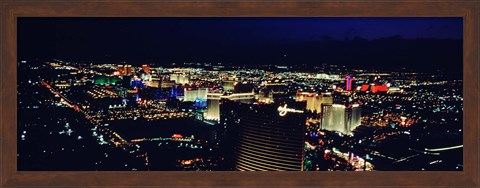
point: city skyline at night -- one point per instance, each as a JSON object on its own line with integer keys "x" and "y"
{"x": 240, "y": 94}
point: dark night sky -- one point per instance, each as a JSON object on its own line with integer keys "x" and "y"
{"x": 431, "y": 42}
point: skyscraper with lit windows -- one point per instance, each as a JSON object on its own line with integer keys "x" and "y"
{"x": 270, "y": 138}
{"x": 341, "y": 118}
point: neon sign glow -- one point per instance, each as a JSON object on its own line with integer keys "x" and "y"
{"x": 283, "y": 110}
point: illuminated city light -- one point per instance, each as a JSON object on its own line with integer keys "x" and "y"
{"x": 283, "y": 110}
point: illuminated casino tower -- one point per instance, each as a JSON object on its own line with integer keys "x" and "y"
{"x": 213, "y": 109}
{"x": 348, "y": 83}
{"x": 179, "y": 79}
{"x": 193, "y": 93}
{"x": 341, "y": 118}
{"x": 270, "y": 139}
{"x": 314, "y": 100}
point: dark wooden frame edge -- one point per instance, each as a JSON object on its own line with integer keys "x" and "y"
{"x": 11, "y": 10}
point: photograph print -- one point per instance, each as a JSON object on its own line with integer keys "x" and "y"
{"x": 240, "y": 94}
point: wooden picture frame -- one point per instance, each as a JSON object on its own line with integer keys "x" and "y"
{"x": 11, "y": 10}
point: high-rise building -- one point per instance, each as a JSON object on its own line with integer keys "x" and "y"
{"x": 348, "y": 83}
{"x": 313, "y": 103}
{"x": 341, "y": 118}
{"x": 214, "y": 104}
{"x": 190, "y": 94}
{"x": 270, "y": 138}
{"x": 314, "y": 100}
{"x": 230, "y": 112}
{"x": 179, "y": 79}
{"x": 213, "y": 110}
{"x": 356, "y": 113}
